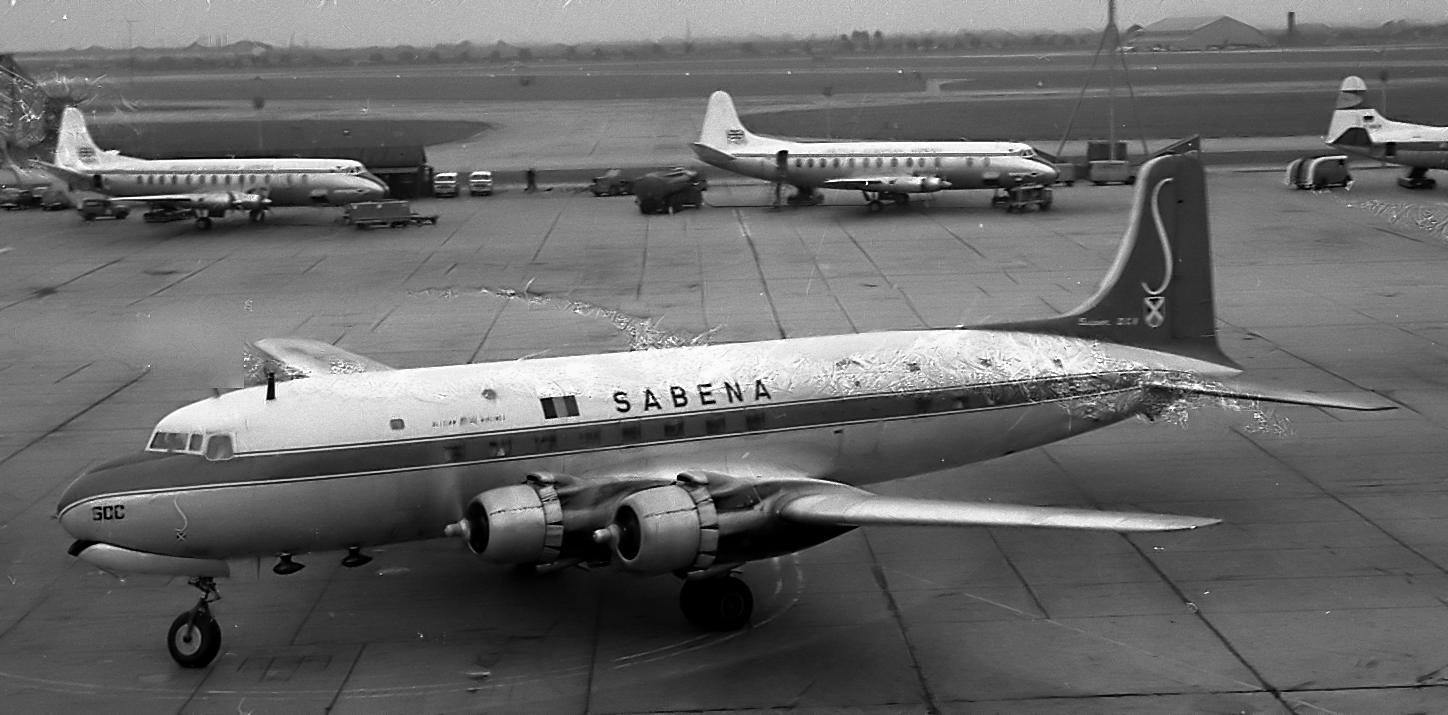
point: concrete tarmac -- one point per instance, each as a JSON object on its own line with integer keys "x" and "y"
{"x": 1324, "y": 590}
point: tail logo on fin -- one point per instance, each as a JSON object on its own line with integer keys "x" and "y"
{"x": 87, "y": 155}
{"x": 1155, "y": 300}
{"x": 734, "y": 136}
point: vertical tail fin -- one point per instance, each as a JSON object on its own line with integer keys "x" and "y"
{"x": 1352, "y": 113}
{"x": 1158, "y": 293}
{"x": 722, "y": 129}
{"x": 74, "y": 148}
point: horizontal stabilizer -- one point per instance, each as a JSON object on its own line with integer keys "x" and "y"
{"x": 1243, "y": 390}
{"x": 290, "y": 358}
{"x": 710, "y": 155}
{"x": 60, "y": 173}
{"x": 858, "y": 508}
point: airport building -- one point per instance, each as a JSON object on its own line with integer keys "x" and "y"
{"x": 1198, "y": 33}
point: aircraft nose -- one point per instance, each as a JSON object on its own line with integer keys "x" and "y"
{"x": 92, "y": 484}
{"x": 1046, "y": 173}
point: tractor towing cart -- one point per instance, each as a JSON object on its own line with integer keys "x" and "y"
{"x": 1021, "y": 198}
{"x": 375, "y": 214}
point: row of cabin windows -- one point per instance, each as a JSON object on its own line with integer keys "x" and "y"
{"x": 910, "y": 162}
{"x": 799, "y": 416}
{"x": 202, "y": 179}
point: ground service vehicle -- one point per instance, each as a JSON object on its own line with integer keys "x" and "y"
{"x": 480, "y": 183}
{"x": 1319, "y": 172}
{"x": 1021, "y": 198}
{"x": 15, "y": 198}
{"x": 612, "y": 183}
{"x": 445, "y": 184}
{"x": 668, "y": 191}
{"x": 92, "y": 209}
{"x": 393, "y": 213}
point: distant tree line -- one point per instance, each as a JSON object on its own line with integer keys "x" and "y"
{"x": 257, "y": 55}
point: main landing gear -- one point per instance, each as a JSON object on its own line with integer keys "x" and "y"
{"x": 194, "y": 638}
{"x": 1416, "y": 178}
{"x": 717, "y": 603}
{"x": 875, "y": 200}
{"x": 203, "y": 223}
{"x": 805, "y": 197}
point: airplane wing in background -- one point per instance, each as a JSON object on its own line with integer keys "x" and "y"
{"x": 859, "y": 508}
{"x": 291, "y": 358}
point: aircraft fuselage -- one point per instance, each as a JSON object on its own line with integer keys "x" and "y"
{"x": 368, "y": 459}
{"x": 963, "y": 165}
{"x": 284, "y": 182}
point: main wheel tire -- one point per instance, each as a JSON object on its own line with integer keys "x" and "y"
{"x": 194, "y": 639}
{"x": 204, "y": 223}
{"x": 876, "y": 206}
{"x": 717, "y": 604}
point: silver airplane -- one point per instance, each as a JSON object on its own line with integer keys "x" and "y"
{"x": 1358, "y": 128}
{"x": 689, "y": 461}
{"x": 880, "y": 170}
{"x": 205, "y": 189}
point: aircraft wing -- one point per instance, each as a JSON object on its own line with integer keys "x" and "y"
{"x": 860, "y": 508}
{"x": 897, "y": 183}
{"x": 291, "y": 358}
{"x": 1244, "y": 390}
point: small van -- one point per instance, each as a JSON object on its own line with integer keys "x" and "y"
{"x": 1319, "y": 172}
{"x": 480, "y": 183}
{"x": 445, "y": 184}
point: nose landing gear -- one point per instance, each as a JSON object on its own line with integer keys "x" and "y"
{"x": 717, "y": 603}
{"x": 194, "y": 638}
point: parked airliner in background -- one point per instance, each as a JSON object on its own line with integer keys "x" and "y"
{"x": 1358, "y": 128}
{"x": 205, "y": 189}
{"x": 881, "y": 170}
{"x": 688, "y": 461}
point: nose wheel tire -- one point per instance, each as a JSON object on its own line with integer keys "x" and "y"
{"x": 717, "y": 604}
{"x": 194, "y": 638}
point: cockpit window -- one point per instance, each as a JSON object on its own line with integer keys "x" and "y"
{"x": 218, "y": 447}
{"x": 169, "y": 441}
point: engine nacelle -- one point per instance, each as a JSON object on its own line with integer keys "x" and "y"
{"x": 520, "y": 524}
{"x": 908, "y": 185}
{"x": 663, "y": 529}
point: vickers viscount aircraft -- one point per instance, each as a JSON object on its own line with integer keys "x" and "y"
{"x": 1358, "y": 128}
{"x": 689, "y": 461}
{"x": 205, "y": 189}
{"x": 880, "y": 170}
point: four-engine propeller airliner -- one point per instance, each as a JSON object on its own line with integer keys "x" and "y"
{"x": 1358, "y": 128}
{"x": 205, "y": 189}
{"x": 880, "y": 170}
{"x": 689, "y": 461}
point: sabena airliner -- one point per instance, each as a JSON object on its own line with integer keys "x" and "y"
{"x": 880, "y": 170}
{"x": 1358, "y": 128}
{"x": 205, "y": 189}
{"x": 691, "y": 461}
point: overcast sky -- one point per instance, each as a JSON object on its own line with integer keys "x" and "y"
{"x": 59, "y": 24}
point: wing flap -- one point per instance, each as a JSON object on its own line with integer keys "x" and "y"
{"x": 864, "y": 509}
{"x": 291, "y": 358}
